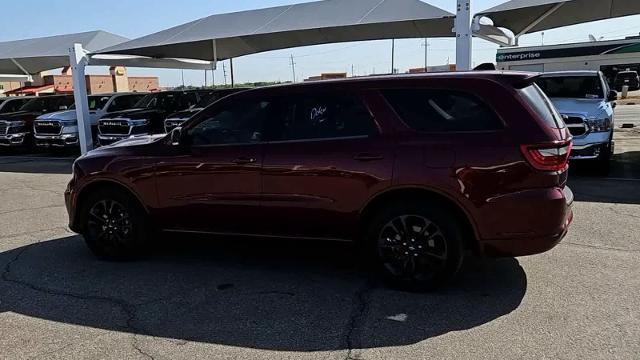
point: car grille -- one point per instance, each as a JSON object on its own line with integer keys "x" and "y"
{"x": 48, "y": 128}
{"x": 3, "y": 128}
{"x": 577, "y": 126}
{"x": 171, "y": 124}
{"x": 114, "y": 127}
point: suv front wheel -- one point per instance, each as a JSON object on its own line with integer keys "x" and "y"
{"x": 417, "y": 247}
{"x": 114, "y": 226}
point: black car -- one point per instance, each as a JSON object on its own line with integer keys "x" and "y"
{"x": 16, "y": 128}
{"x": 147, "y": 116}
{"x": 628, "y": 78}
{"x": 176, "y": 119}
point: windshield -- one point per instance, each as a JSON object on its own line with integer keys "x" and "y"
{"x": 160, "y": 101}
{"x": 627, "y": 75}
{"x": 95, "y": 103}
{"x": 575, "y": 87}
{"x": 40, "y": 104}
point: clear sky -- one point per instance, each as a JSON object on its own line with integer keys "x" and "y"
{"x": 134, "y": 18}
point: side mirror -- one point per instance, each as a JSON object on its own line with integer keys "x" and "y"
{"x": 613, "y": 95}
{"x": 63, "y": 107}
{"x": 176, "y": 136}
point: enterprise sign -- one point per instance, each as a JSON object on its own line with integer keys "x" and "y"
{"x": 590, "y": 49}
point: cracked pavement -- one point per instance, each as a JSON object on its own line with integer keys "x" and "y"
{"x": 249, "y": 299}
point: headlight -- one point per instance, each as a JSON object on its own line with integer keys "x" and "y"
{"x": 599, "y": 125}
{"x": 16, "y": 123}
{"x": 70, "y": 129}
{"x": 139, "y": 122}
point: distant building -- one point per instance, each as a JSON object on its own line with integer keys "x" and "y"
{"x": 440, "y": 68}
{"x": 8, "y": 86}
{"x": 117, "y": 81}
{"x": 328, "y": 76}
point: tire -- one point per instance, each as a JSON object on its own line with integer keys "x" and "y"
{"x": 416, "y": 247}
{"x": 114, "y": 226}
{"x": 604, "y": 160}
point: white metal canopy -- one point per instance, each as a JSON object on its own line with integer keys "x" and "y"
{"x": 527, "y": 16}
{"x": 225, "y": 36}
{"x": 32, "y": 56}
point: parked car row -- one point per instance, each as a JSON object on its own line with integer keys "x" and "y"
{"x": 51, "y": 121}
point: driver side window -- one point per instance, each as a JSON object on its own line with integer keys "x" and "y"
{"x": 237, "y": 123}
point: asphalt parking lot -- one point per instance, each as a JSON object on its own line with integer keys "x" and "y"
{"x": 245, "y": 299}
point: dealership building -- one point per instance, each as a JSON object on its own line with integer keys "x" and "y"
{"x": 610, "y": 57}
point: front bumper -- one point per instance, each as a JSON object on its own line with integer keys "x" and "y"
{"x": 64, "y": 140}
{"x": 13, "y": 140}
{"x": 589, "y": 147}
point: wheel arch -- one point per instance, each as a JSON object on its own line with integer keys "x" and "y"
{"x": 101, "y": 184}
{"x": 413, "y": 193}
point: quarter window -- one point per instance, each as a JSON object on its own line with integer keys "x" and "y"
{"x": 237, "y": 123}
{"x": 442, "y": 111}
{"x": 326, "y": 117}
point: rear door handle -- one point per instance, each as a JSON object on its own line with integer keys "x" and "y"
{"x": 244, "y": 161}
{"x": 368, "y": 157}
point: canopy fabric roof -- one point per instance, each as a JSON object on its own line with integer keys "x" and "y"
{"x": 522, "y": 16}
{"x": 46, "y": 53}
{"x": 321, "y": 22}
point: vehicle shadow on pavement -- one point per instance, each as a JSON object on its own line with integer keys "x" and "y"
{"x": 286, "y": 296}
{"x": 35, "y": 165}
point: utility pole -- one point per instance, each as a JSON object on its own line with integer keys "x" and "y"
{"x": 233, "y": 82}
{"x": 293, "y": 68}
{"x": 393, "y": 56}
{"x": 426, "y": 54}
{"x": 352, "y": 71}
{"x": 224, "y": 73}
{"x": 543, "y": 38}
{"x": 205, "y": 78}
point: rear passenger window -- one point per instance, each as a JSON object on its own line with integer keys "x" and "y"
{"x": 327, "y": 117}
{"x": 541, "y": 104}
{"x": 438, "y": 111}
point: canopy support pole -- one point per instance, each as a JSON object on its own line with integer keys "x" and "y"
{"x": 26, "y": 73}
{"x": 78, "y": 59}
{"x": 464, "y": 35}
{"x": 537, "y": 21}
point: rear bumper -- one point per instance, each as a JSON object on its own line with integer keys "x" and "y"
{"x": 13, "y": 140}
{"x": 64, "y": 140}
{"x": 530, "y": 244}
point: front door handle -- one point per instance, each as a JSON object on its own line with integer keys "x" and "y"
{"x": 244, "y": 161}
{"x": 368, "y": 157}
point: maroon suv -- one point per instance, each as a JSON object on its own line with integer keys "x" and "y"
{"x": 423, "y": 170}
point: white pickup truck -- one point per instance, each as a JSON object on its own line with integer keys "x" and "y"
{"x": 60, "y": 129}
{"x": 586, "y": 102}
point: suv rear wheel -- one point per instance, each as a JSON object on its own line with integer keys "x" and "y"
{"x": 114, "y": 226}
{"x": 417, "y": 247}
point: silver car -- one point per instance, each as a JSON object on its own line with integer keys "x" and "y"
{"x": 587, "y": 105}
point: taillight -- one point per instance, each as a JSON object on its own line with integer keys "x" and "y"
{"x": 553, "y": 157}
